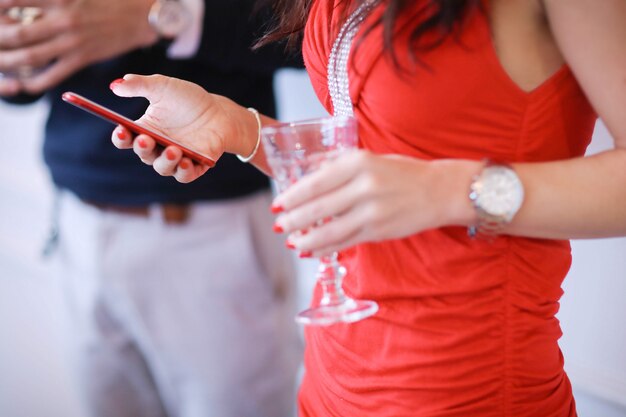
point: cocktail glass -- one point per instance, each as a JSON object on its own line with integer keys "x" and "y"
{"x": 294, "y": 150}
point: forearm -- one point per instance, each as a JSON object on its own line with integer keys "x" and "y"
{"x": 576, "y": 198}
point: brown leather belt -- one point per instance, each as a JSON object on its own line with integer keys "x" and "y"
{"x": 172, "y": 213}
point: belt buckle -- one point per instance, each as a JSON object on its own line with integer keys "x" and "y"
{"x": 175, "y": 213}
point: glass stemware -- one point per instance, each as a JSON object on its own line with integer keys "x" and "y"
{"x": 294, "y": 150}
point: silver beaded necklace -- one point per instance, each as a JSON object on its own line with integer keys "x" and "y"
{"x": 337, "y": 71}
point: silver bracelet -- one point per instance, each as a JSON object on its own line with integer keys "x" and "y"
{"x": 258, "y": 138}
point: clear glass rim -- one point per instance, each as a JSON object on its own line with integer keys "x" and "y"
{"x": 338, "y": 121}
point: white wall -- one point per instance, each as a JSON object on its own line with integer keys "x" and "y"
{"x": 35, "y": 383}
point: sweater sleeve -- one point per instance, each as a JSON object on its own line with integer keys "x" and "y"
{"x": 230, "y": 29}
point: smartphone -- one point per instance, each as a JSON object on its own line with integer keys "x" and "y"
{"x": 116, "y": 118}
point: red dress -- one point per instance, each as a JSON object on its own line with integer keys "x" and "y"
{"x": 465, "y": 328}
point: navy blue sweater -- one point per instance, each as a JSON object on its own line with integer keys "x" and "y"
{"x": 77, "y": 147}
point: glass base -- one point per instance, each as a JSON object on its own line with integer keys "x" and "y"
{"x": 347, "y": 312}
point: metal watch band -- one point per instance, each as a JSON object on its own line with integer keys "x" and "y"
{"x": 490, "y": 225}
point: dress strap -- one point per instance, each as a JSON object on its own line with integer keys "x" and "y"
{"x": 337, "y": 71}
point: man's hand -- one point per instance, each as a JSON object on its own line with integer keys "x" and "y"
{"x": 70, "y": 35}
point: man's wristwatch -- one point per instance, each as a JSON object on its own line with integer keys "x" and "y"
{"x": 497, "y": 195}
{"x": 168, "y": 18}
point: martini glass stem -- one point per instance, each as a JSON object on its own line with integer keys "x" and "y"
{"x": 330, "y": 274}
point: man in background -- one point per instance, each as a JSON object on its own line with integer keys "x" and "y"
{"x": 179, "y": 295}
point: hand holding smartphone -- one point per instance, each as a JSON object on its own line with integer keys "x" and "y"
{"x": 117, "y": 119}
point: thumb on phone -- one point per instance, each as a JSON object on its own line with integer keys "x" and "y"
{"x": 133, "y": 85}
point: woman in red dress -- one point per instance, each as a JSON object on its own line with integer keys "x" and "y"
{"x": 466, "y": 325}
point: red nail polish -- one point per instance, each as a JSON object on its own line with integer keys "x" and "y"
{"x": 121, "y": 134}
{"x": 184, "y": 165}
{"x": 305, "y": 254}
{"x": 276, "y": 208}
{"x": 115, "y": 83}
{"x": 170, "y": 154}
{"x": 142, "y": 143}
{"x": 290, "y": 244}
{"x": 277, "y": 228}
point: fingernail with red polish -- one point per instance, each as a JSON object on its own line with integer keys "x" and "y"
{"x": 184, "y": 165}
{"x": 170, "y": 154}
{"x": 142, "y": 143}
{"x": 290, "y": 244}
{"x": 305, "y": 254}
{"x": 276, "y": 208}
{"x": 121, "y": 134}
{"x": 277, "y": 228}
{"x": 115, "y": 83}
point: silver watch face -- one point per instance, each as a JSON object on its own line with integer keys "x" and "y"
{"x": 499, "y": 192}
{"x": 169, "y": 18}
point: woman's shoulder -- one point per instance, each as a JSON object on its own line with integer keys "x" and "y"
{"x": 323, "y": 16}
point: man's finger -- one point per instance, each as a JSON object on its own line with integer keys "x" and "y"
{"x": 38, "y": 55}
{"x": 7, "y": 4}
{"x": 53, "y": 75}
{"x": 9, "y": 87}
{"x": 15, "y": 35}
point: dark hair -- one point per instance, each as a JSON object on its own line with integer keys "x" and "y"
{"x": 444, "y": 16}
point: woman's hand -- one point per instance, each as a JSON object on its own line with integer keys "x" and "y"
{"x": 370, "y": 198}
{"x": 208, "y": 123}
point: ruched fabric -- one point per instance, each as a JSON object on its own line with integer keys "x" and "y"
{"x": 465, "y": 327}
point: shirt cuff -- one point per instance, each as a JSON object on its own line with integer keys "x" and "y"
{"x": 187, "y": 43}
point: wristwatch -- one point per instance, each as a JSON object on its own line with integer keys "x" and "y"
{"x": 497, "y": 195}
{"x": 168, "y": 18}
